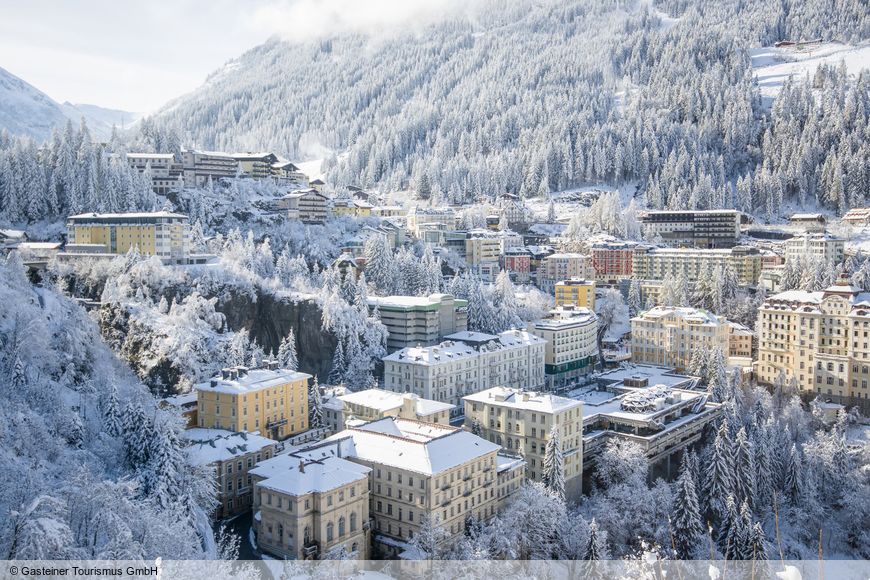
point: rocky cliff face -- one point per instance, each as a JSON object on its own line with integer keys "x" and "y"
{"x": 268, "y": 319}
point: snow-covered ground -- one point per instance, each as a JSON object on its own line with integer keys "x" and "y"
{"x": 311, "y": 168}
{"x": 775, "y": 65}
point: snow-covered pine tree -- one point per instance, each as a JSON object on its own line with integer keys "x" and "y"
{"x": 315, "y": 406}
{"x": 688, "y": 527}
{"x": 336, "y": 373}
{"x": 553, "y": 476}
{"x": 112, "y": 414}
{"x": 380, "y": 265}
{"x": 164, "y": 473}
{"x": 287, "y": 357}
{"x": 475, "y": 427}
{"x": 719, "y": 477}
{"x": 744, "y": 468}
{"x": 137, "y": 436}
{"x": 634, "y": 297}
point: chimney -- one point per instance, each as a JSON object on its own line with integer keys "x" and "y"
{"x": 214, "y": 383}
{"x": 241, "y": 371}
{"x": 301, "y": 466}
{"x": 225, "y": 373}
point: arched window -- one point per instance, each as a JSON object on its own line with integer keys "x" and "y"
{"x": 353, "y": 522}
{"x": 341, "y": 527}
{"x": 330, "y": 532}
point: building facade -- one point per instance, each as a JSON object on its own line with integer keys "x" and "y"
{"x": 571, "y": 350}
{"x": 522, "y": 421}
{"x": 709, "y": 229}
{"x": 162, "y": 234}
{"x": 309, "y": 504}
{"x": 649, "y": 263}
{"x": 166, "y": 172}
{"x": 518, "y": 264}
{"x": 668, "y": 336}
{"x": 232, "y": 455}
{"x": 819, "y": 246}
{"x": 270, "y": 400}
{"x": 467, "y": 362}
{"x": 562, "y": 266}
{"x": 413, "y": 321}
{"x": 575, "y": 292}
{"x": 442, "y": 217}
{"x": 820, "y": 341}
{"x": 308, "y": 206}
{"x": 612, "y": 261}
{"x": 198, "y": 167}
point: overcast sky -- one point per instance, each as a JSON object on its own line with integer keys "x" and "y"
{"x": 137, "y": 55}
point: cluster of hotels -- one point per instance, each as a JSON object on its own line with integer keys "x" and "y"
{"x": 462, "y": 418}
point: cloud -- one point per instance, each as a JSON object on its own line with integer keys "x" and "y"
{"x": 310, "y": 19}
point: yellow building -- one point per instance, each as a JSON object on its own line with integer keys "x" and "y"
{"x": 521, "y": 422}
{"x": 576, "y": 292}
{"x": 669, "y": 336}
{"x": 271, "y": 400}
{"x": 161, "y": 234}
{"x": 351, "y": 207}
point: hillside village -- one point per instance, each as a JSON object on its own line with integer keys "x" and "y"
{"x": 561, "y": 281}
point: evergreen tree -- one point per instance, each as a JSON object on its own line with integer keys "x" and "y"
{"x": 336, "y": 373}
{"x": 553, "y": 476}
{"x": 476, "y": 428}
{"x": 744, "y": 469}
{"x": 634, "y": 297}
{"x": 112, "y": 415}
{"x": 688, "y": 528}
{"x": 287, "y": 357}
{"x": 719, "y": 477}
{"x": 758, "y": 543}
{"x": 315, "y": 406}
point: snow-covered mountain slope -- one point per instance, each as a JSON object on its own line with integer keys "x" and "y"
{"x": 25, "y": 110}
{"x": 100, "y": 119}
{"x": 775, "y": 65}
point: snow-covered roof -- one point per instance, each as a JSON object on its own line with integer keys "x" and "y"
{"x": 251, "y": 381}
{"x": 181, "y": 400}
{"x": 39, "y": 246}
{"x": 304, "y": 472}
{"x": 426, "y": 448}
{"x": 563, "y": 318}
{"x": 411, "y": 302}
{"x": 567, "y": 256}
{"x": 207, "y": 446}
{"x": 506, "y": 462}
{"x": 11, "y": 234}
{"x": 150, "y": 156}
{"x": 524, "y": 400}
{"x": 132, "y": 215}
{"x": 383, "y": 401}
{"x": 654, "y": 375}
{"x": 806, "y": 216}
{"x": 464, "y": 344}
{"x": 695, "y": 315}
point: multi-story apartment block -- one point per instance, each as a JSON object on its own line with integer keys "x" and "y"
{"x": 857, "y": 216}
{"x": 575, "y": 292}
{"x": 255, "y": 165}
{"x": 420, "y": 320}
{"x": 571, "y": 350}
{"x": 289, "y": 172}
{"x": 200, "y": 166}
{"x": 819, "y": 339}
{"x": 719, "y": 228}
{"x": 820, "y": 246}
{"x": 483, "y": 253}
{"x": 444, "y": 217}
{"x": 418, "y": 471}
{"x": 612, "y": 261}
{"x": 739, "y": 341}
{"x": 309, "y": 503}
{"x": 232, "y": 455}
{"x": 521, "y": 422}
{"x": 341, "y": 406}
{"x": 162, "y": 234}
{"x": 166, "y": 172}
{"x": 308, "y": 206}
{"x": 518, "y": 264}
{"x": 270, "y": 400}
{"x": 810, "y": 222}
{"x": 512, "y": 207}
{"x": 562, "y": 266}
{"x": 351, "y": 207}
{"x": 467, "y": 362}
{"x": 651, "y": 263}
{"x": 669, "y": 336}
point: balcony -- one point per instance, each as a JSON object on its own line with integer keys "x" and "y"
{"x": 445, "y": 502}
{"x": 445, "y": 486}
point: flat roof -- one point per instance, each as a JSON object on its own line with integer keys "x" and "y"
{"x": 525, "y": 400}
{"x": 207, "y": 446}
{"x": 655, "y": 375}
{"x": 383, "y": 400}
{"x": 252, "y": 381}
{"x": 112, "y": 216}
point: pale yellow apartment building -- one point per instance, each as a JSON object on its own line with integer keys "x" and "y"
{"x": 162, "y": 234}
{"x": 575, "y": 292}
{"x": 270, "y": 400}
{"x": 521, "y": 422}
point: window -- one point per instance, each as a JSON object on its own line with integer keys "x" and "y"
{"x": 353, "y": 522}
{"x": 341, "y": 527}
{"x": 330, "y": 532}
